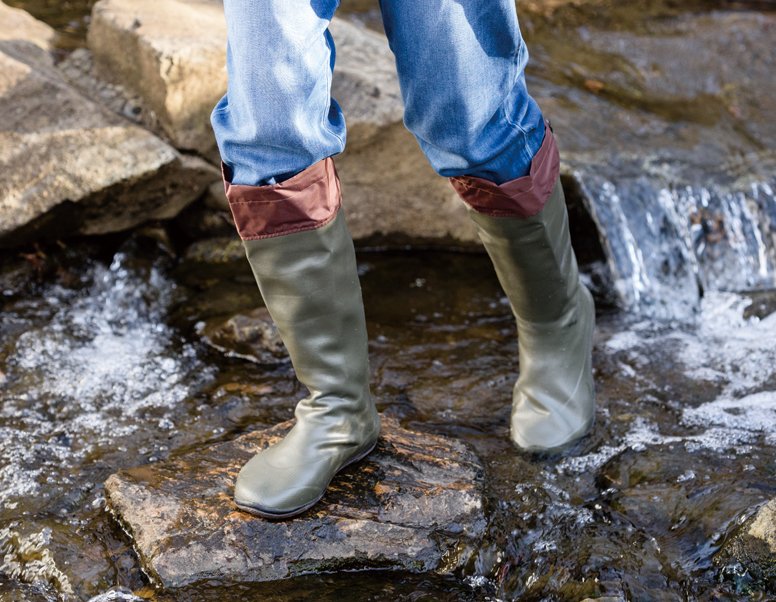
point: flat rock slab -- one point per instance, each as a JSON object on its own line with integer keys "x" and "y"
{"x": 414, "y": 504}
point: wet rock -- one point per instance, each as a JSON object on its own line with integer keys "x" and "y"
{"x": 753, "y": 548}
{"x": 13, "y": 591}
{"x": 415, "y": 504}
{"x": 216, "y": 250}
{"x": 180, "y": 76}
{"x": 55, "y": 558}
{"x": 198, "y": 221}
{"x": 252, "y": 336}
{"x": 72, "y": 167}
{"x": 671, "y": 154}
{"x": 763, "y": 527}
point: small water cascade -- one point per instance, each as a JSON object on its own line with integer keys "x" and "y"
{"x": 105, "y": 361}
{"x": 670, "y": 238}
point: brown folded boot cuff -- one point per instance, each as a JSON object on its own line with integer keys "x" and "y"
{"x": 522, "y": 197}
{"x": 307, "y": 201}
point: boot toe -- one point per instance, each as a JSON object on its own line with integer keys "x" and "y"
{"x": 268, "y": 498}
{"x": 270, "y": 491}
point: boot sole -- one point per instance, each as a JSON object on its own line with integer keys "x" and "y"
{"x": 297, "y": 511}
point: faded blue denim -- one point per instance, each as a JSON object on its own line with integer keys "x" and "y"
{"x": 461, "y": 70}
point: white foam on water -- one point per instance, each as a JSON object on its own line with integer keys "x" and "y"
{"x": 740, "y": 351}
{"x": 737, "y": 352}
{"x": 755, "y": 413}
{"x": 116, "y": 596}
{"x": 85, "y": 377}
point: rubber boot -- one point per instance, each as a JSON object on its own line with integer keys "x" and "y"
{"x": 302, "y": 256}
{"x": 524, "y": 227}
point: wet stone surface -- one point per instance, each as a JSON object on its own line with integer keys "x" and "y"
{"x": 415, "y": 504}
{"x": 251, "y": 336}
{"x": 749, "y": 554}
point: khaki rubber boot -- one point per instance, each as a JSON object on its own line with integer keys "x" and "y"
{"x": 524, "y": 227}
{"x": 305, "y": 267}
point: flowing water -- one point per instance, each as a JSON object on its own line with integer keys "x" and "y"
{"x": 103, "y": 365}
{"x": 103, "y": 368}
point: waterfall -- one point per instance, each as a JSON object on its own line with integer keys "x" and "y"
{"x": 670, "y": 235}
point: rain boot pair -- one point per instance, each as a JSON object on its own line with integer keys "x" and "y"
{"x": 302, "y": 256}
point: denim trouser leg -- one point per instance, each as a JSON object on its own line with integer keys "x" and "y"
{"x": 461, "y": 69}
{"x": 277, "y": 117}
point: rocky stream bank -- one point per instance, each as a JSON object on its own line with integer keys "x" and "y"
{"x": 137, "y": 367}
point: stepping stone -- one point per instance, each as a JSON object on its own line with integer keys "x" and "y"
{"x": 414, "y": 504}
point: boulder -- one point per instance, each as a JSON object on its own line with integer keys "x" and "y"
{"x": 24, "y": 29}
{"x": 414, "y": 504}
{"x": 69, "y": 165}
{"x": 171, "y": 53}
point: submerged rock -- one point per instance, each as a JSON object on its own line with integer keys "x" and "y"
{"x": 415, "y": 504}
{"x": 252, "y": 336}
{"x": 70, "y": 166}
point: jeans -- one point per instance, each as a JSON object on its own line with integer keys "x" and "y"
{"x": 461, "y": 71}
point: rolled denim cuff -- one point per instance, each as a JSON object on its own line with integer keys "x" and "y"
{"x": 306, "y": 201}
{"x": 522, "y": 197}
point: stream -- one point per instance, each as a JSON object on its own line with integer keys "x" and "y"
{"x": 103, "y": 368}
{"x": 104, "y": 364}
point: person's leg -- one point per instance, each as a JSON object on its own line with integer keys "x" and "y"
{"x": 461, "y": 69}
{"x": 276, "y": 124}
{"x": 277, "y": 117}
